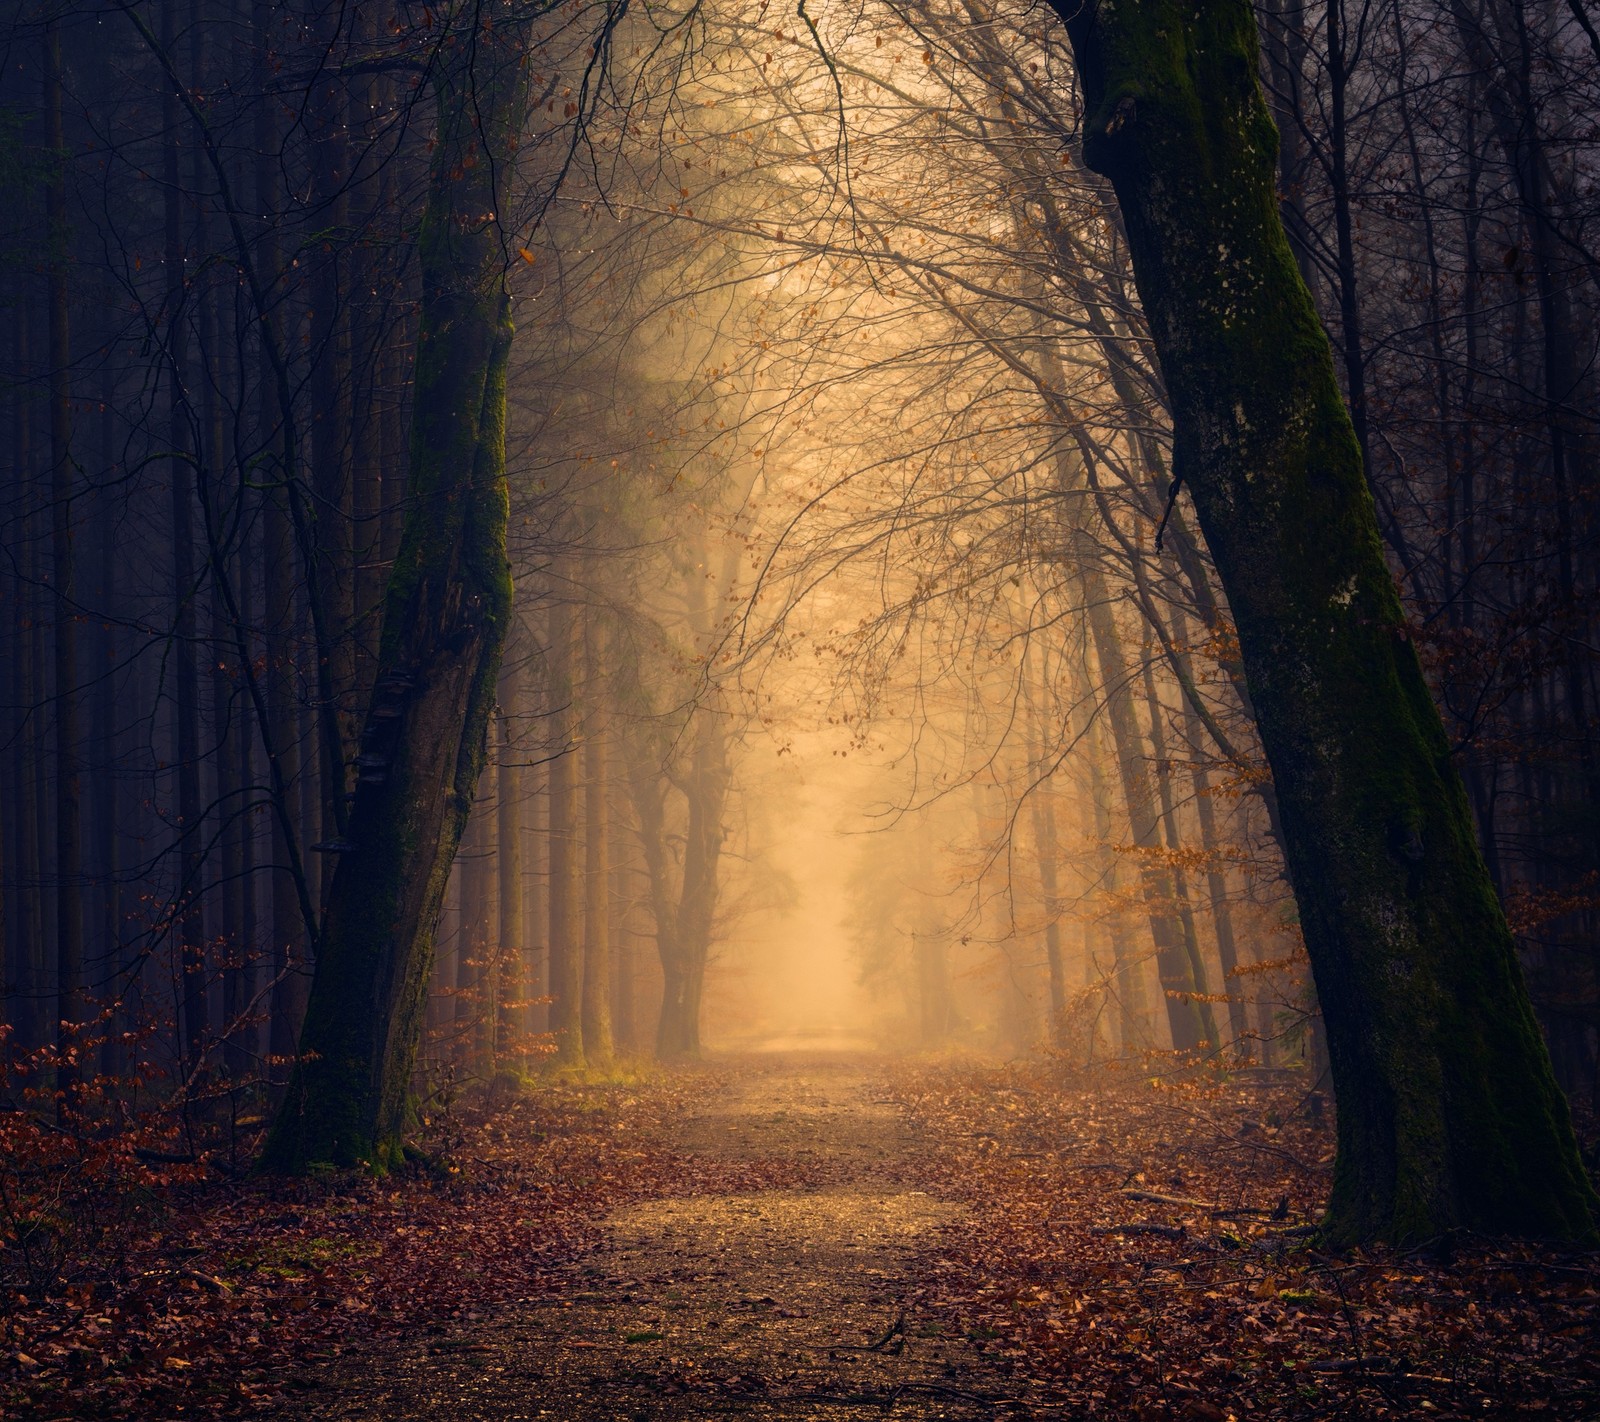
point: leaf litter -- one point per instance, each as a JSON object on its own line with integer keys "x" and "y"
{"x": 784, "y": 1238}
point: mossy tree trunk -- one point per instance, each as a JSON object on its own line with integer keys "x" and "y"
{"x": 445, "y": 619}
{"x": 1448, "y": 1113}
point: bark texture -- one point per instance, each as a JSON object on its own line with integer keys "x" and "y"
{"x": 598, "y": 1044}
{"x": 565, "y": 887}
{"x": 446, "y": 614}
{"x": 1448, "y": 1113}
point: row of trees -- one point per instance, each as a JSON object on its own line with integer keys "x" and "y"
{"x": 830, "y": 361}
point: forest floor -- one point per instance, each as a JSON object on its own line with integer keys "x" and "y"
{"x": 818, "y": 1237}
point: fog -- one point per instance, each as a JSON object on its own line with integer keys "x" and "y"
{"x": 865, "y": 679}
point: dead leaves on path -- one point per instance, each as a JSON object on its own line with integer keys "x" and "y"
{"x": 1143, "y": 1253}
{"x": 1130, "y": 1253}
{"x": 230, "y": 1293}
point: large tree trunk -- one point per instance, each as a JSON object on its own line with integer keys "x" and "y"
{"x": 446, "y": 614}
{"x": 1448, "y": 1113}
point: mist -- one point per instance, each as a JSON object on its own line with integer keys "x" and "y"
{"x": 830, "y": 667}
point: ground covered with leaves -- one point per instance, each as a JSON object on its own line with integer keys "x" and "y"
{"x": 214, "y": 1296}
{"x": 820, "y": 1238}
{"x": 1143, "y": 1248}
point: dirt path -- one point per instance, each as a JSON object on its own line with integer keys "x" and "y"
{"x": 782, "y": 1304}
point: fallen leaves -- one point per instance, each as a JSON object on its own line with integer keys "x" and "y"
{"x": 1130, "y": 1301}
{"x": 228, "y": 1289}
{"x": 1128, "y": 1252}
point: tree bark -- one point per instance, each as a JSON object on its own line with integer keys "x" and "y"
{"x": 566, "y": 955}
{"x": 1173, "y": 962}
{"x": 1449, "y": 1115}
{"x": 69, "y": 750}
{"x": 706, "y": 791}
{"x": 510, "y": 946}
{"x": 446, "y": 613}
{"x": 597, "y": 1036}
{"x": 29, "y": 961}
{"x": 474, "y": 1007}
{"x": 289, "y": 931}
{"x": 332, "y": 574}
{"x": 1042, "y": 809}
{"x": 624, "y": 988}
{"x": 186, "y": 900}
{"x": 1161, "y": 766}
{"x": 1122, "y": 981}
{"x": 106, "y": 787}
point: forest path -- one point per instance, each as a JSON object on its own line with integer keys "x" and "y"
{"x": 775, "y": 1303}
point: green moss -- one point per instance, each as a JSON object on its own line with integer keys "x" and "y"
{"x": 446, "y": 612}
{"x": 1448, "y": 1114}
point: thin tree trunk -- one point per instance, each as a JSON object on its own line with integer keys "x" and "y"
{"x": 106, "y": 785}
{"x": 29, "y": 952}
{"x": 69, "y": 750}
{"x": 624, "y": 968}
{"x": 511, "y": 944}
{"x": 1041, "y": 806}
{"x": 187, "y": 913}
{"x": 1221, "y": 907}
{"x": 566, "y": 946}
{"x": 1284, "y": 44}
{"x": 474, "y": 1011}
{"x": 290, "y": 932}
{"x": 1161, "y": 765}
{"x": 535, "y": 904}
{"x": 646, "y": 787}
{"x": 598, "y": 1045}
{"x": 333, "y": 574}
{"x": 1175, "y": 967}
{"x": 706, "y": 791}
{"x": 228, "y": 730}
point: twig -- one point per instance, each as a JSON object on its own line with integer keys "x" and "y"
{"x": 898, "y": 1326}
{"x": 1156, "y": 1199}
{"x": 1165, "y": 1231}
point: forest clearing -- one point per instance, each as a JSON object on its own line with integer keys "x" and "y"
{"x": 799, "y": 708}
{"x": 821, "y": 1236}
